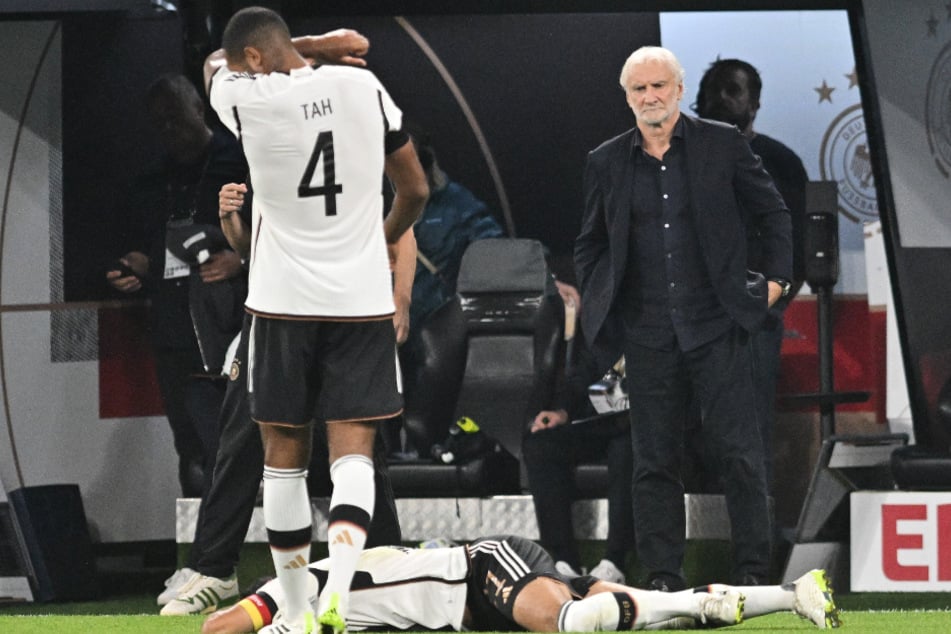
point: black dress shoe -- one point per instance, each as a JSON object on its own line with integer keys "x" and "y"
{"x": 666, "y": 583}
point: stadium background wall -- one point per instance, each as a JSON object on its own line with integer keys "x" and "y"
{"x": 77, "y": 387}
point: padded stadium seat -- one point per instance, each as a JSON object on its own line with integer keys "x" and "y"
{"x": 591, "y": 478}
{"x": 926, "y": 467}
{"x": 609, "y": 399}
{"x": 491, "y": 354}
{"x": 915, "y": 467}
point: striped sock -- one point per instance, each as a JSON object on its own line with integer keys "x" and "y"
{"x": 351, "y": 507}
{"x": 288, "y": 520}
{"x": 605, "y": 611}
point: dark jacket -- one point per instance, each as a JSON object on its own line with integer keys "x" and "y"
{"x": 728, "y": 186}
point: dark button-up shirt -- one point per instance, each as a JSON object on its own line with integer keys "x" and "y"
{"x": 666, "y": 295}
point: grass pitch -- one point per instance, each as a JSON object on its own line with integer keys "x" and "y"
{"x": 872, "y": 613}
{"x": 871, "y": 622}
{"x": 130, "y": 607}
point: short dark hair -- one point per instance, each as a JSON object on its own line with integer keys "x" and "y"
{"x": 252, "y": 26}
{"x": 718, "y": 70}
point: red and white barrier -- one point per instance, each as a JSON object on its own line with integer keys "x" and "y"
{"x": 901, "y": 541}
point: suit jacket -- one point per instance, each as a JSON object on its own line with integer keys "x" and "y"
{"x": 728, "y": 187}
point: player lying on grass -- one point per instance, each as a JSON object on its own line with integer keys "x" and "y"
{"x": 509, "y": 583}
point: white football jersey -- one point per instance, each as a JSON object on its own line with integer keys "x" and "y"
{"x": 314, "y": 140}
{"x": 399, "y": 587}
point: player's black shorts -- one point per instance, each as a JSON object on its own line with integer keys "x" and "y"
{"x": 501, "y": 566}
{"x": 332, "y": 370}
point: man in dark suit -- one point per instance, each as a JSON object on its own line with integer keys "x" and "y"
{"x": 662, "y": 265}
{"x": 730, "y": 92}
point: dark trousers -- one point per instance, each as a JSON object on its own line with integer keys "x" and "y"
{"x": 660, "y": 383}
{"x": 767, "y": 347}
{"x": 225, "y": 512}
{"x": 191, "y": 406}
{"x": 550, "y": 457}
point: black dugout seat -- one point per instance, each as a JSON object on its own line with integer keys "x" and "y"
{"x": 927, "y": 467}
{"x": 491, "y": 354}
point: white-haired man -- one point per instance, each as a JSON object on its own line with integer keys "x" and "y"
{"x": 663, "y": 273}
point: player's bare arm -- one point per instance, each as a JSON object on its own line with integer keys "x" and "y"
{"x": 212, "y": 63}
{"x": 341, "y": 46}
{"x": 409, "y": 182}
{"x": 231, "y": 620}
{"x": 237, "y": 233}
{"x": 404, "y": 271}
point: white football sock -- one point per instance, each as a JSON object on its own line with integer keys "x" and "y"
{"x": 762, "y": 600}
{"x": 288, "y": 520}
{"x": 605, "y": 611}
{"x": 351, "y": 508}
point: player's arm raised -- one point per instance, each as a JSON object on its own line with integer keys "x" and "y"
{"x": 341, "y": 46}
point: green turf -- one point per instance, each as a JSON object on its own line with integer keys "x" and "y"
{"x": 140, "y": 624}
{"x": 864, "y": 622}
{"x": 130, "y": 602}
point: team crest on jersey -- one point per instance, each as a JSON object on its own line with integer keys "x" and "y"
{"x": 235, "y": 370}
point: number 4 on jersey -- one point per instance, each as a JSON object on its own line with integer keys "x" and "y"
{"x": 324, "y": 147}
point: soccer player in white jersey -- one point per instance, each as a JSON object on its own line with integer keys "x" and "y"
{"x": 509, "y": 583}
{"x": 317, "y": 141}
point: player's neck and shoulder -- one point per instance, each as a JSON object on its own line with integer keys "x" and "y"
{"x": 343, "y": 71}
{"x": 344, "y": 75}
{"x": 279, "y": 81}
{"x": 320, "y": 72}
